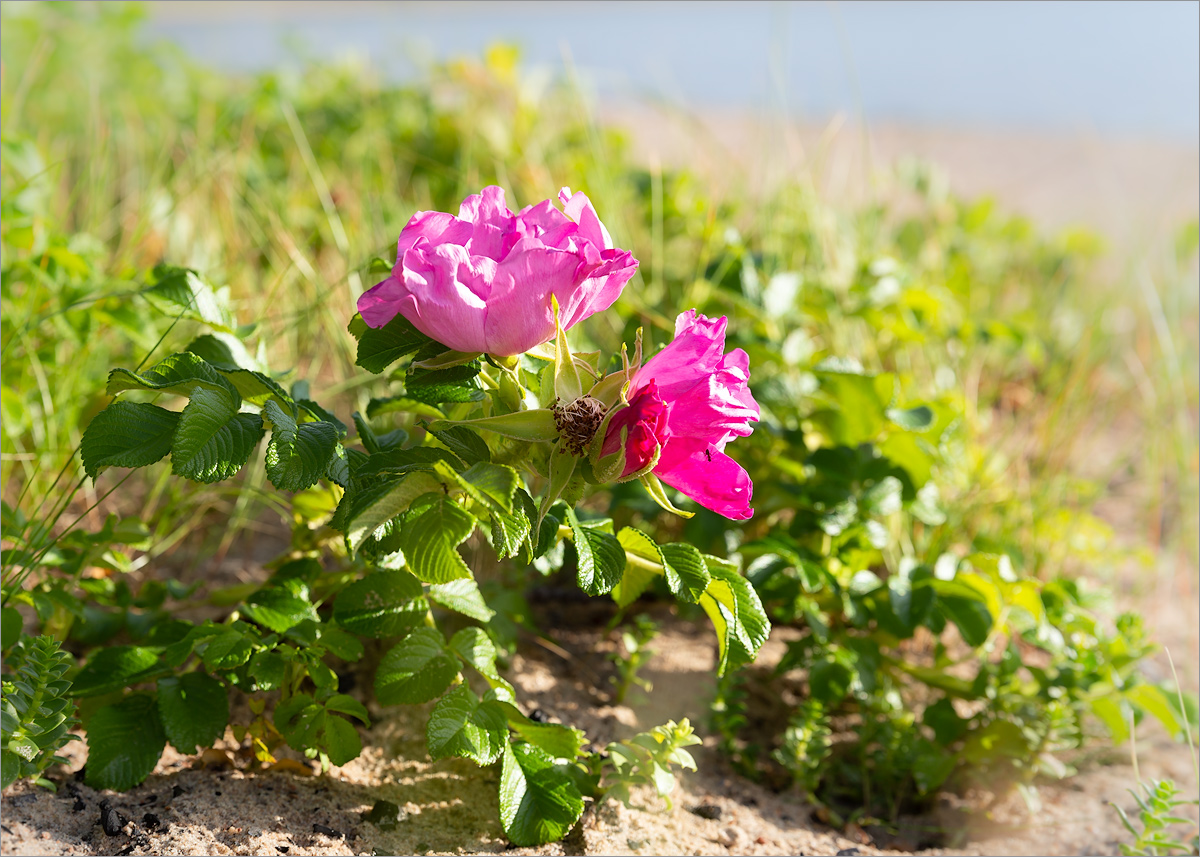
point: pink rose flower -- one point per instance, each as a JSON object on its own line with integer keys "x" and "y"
{"x": 690, "y": 399}
{"x": 482, "y": 281}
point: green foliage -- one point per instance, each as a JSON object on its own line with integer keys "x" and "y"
{"x": 648, "y": 758}
{"x": 1157, "y": 814}
{"x": 36, "y": 711}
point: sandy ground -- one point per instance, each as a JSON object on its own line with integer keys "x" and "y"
{"x": 217, "y": 806}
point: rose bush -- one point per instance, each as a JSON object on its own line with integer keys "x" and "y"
{"x": 685, "y": 404}
{"x": 483, "y": 281}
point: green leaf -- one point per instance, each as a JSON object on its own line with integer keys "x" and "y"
{"x": 970, "y": 614}
{"x": 415, "y": 670}
{"x": 297, "y": 455}
{"x": 510, "y": 531}
{"x": 539, "y": 802}
{"x": 349, "y": 706}
{"x": 490, "y": 484}
{"x": 686, "y": 571}
{"x": 637, "y": 576}
{"x": 182, "y": 289}
{"x": 460, "y": 725}
{"x": 737, "y": 615}
{"x": 462, "y": 596}
{"x": 919, "y": 418}
{"x": 373, "y": 506}
{"x": 221, "y": 350}
{"x": 268, "y": 669}
{"x": 127, "y": 434}
{"x": 227, "y": 650}
{"x": 180, "y": 374}
{"x": 194, "y": 710}
{"x": 476, "y": 648}
{"x": 112, "y": 669}
{"x": 601, "y": 557}
{"x": 341, "y": 740}
{"x": 1153, "y": 701}
{"x": 124, "y": 742}
{"x": 213, "y": 440}
{"x": 437, "y": 386}
{"x": 308, "y": 725}
{"x": 430, "y": 541}
{"x": 402, "y": 405}
{"x": 382, "y": 604}
{"x": 281, "y": 606}
{"x": 10, "y": 627}
{"x": 379, "y": 348}
{"x": 560, "y": 742}
{"x": 463, "y": 442}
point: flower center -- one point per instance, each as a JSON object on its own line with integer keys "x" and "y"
{"x": 578, "y": 422}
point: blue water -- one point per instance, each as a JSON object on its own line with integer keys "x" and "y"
{"x": 1114, "y": 68}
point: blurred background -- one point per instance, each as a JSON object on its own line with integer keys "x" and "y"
{"x": 1068, "y": 111}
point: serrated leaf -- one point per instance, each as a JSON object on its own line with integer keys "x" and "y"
{"x": 183, "y": 293}
{"x": 281, "y": 606}
{"x": 637, "y": 577}
{"x": 509, "y": 531}
{"x": 462, "y": 596}
{"x": 382, "y": 604}
{"x": 560, "y": 742}
{"x": 463, "y": 442}
{"x": 686, "y": 572}
{"x": 342, "y": 743}
{"x": 349, "y": 706}
{"x": 492, "y": 484}
{"x": 213, "y": 440}
{"x": 460, "y": 725}
{"x": 476, "y": 648}
{"x": 221, "y": 350}
{"x": 402, "y": 405}
{"x": 341, "y": 643}
{"x": 125, "y": 742}
{"x": 127, "y": 434}
{"x": 257, "y": 388}
{"x": 194, "y": 710}
{"x": 737, "y": 615}
{"x": 376, "y": 504}
{"x": 601, "y": 557}
{"x": 297, "y": 455}
{"x": 430, "y": 541}
{"x": 415, "y": 670}
{"x": 438, "y": 386}
{"x": 228, "y": 649}
{"x": 379, "y": 348}
{"x": 112, "y": 669}
{"x": 539, "y": 802}
{"x": 180, "y": 374}
{"x": 308, "y": 725}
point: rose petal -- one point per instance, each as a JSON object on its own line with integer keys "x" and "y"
{"x": 707, "y": 475}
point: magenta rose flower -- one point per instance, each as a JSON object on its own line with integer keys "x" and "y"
{"x": 482, "y": 281}
{"x": 685, "y": 404}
